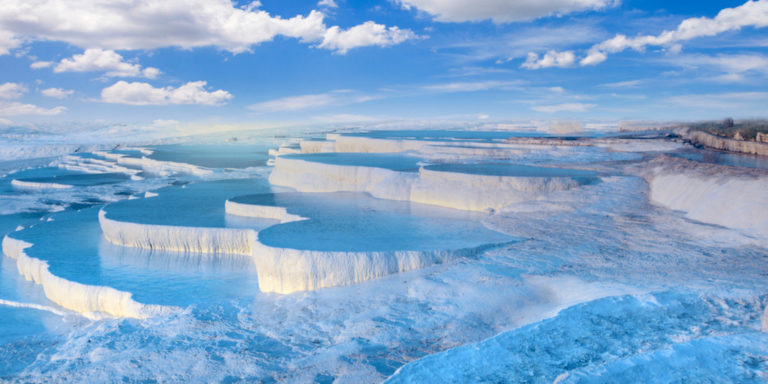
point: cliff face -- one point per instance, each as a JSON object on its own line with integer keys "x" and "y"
{"x": 716, "y": 142}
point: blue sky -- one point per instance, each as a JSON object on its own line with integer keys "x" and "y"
{"x": 139, "y": 61}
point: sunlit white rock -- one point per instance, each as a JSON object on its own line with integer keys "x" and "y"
{"x": 178, "y": 238}
{"x": 447, "y": 189}
{"x": 21, "y": 184}
{"x": 284, "y": 270}
{"x": 260, "y": 211}
{"x": 712, "y": 194}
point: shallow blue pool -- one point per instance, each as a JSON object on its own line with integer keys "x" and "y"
{"x": 80, "y": 180}
{"x": 213, "y": 156}
{"x": 511, "y": 170}
{"x": 346, "y": 221}
{"x": 394, "y": 162}
{"x": 445, "y": 135}
{"x": 75, "y": 250}
{"x": 196, "y": 204}
{"x": 725, "y": 158}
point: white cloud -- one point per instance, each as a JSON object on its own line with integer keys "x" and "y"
{"x": 7, "y": 42}
{"x": 149, "y": 24}
{"x": 344, "y": 118}
{"x": 749, "y": 14}
{"x": 470, "y": 86}
{"x": 363, "y": 35}
{"x": 511, "y": 46}
{"x": 565, "y": 107}
{"x": 593, "y": 57}
{"x": 735, "y": 67}
{"x": 163, "y": 123}
{"x": 501, "y": 11}
{"x": 12, "y": 90}
{"x": 108, "y": 61}
{"x": 550, "y": 59}
{"x": 57, "y": 93}
{"x": 18, "y": 109}
{"x": 737, "y": 63}
{"x": 346, "y": 97}
{"x": 731, "y": 102}
{"x": 623, "y": 84}
{"x": 296, "y": 103}
{"x": 327, "y": 3}
{"x": 137, "y": 93}
{"x": 41, "y": 64}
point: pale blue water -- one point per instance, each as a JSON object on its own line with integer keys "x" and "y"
{"x": 80, "y": 180}
{"x": 394, "y": 162}
{"x": 39, "y": 172}
{"x": 451, "y": 135}
{"x": 199, "y": 204}
{"x": 9, "y": 223}
{"x": 346, "y": 221}
{"x": 594, "y": 284}
{"x": 151, "y": 276}
{"x": 481, "y": 136}
{"x": 88, "y": 189}
{"x": 724, "y": 158}
{"x": 512, "y": 170}
{"x": 213, "y": 156}
{"x": 127, "y": 152}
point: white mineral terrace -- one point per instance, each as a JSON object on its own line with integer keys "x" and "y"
{"x": 456, "y": 190}
{"x": 88, "y": 300}
{"x": 280, "y": 270}
{"x": 710, "y": 193}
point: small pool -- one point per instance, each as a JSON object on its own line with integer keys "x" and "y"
{"x": 511, "y": 170}
{"x": 213, "y": 156}
{"x": 725, "y": 158}
{"x": 357, "y": 222}
{"x": 75, "y": 250}
{"x": 394, "y": 162}
{"x": 196, "y": 205}
{"x": 441, "y": 135}
{"x": 79, "y": 180}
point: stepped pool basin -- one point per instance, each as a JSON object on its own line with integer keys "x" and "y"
{"x": 400, "y": 256}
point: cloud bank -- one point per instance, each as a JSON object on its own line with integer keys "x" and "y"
{"x": 108, "y": 61}
{"x": 149, "y": 24}
{"x": 9, "y": 91}
{"x": 19, "y": 109}
{"x": 550, "y": 59}
{"x": 57, "y": 93}
{"x": 363, "y": 35}
{"x": 750, "y": 14}
{"x": 501, "y": 11}
{"x": 138, "y": 93}
{"x": 12, "y": 90}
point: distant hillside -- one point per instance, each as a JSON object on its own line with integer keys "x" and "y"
{"x": 746, "y": 130}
